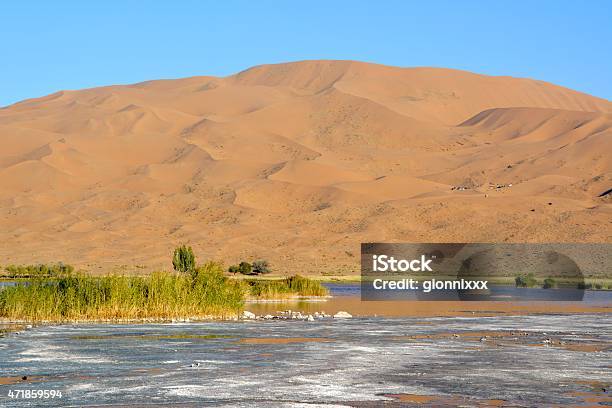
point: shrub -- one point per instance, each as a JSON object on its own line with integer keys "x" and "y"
{"x": 234, "y": 269}
{"x": 526, "y": 281}
{"x": 261, "y": 267}
{"x": 549, "y": 283}
{"x": 183, "y": 259}
{"x": 245, "y": 268}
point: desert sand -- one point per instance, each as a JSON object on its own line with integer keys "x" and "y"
{"x": 299, "y": 163}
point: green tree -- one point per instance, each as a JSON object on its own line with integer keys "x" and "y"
{"x": 261, "y": 267}
{"x": 183, "y": 259}
{"x": 234, "y": 269}
{"x": 245, "y": 268}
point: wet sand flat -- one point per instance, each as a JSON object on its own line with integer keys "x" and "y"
{"x": 446, "y": 400}
{"x": 284, "y": 340}
{"x": 19, "y": 380}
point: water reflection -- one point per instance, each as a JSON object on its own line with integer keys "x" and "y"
{"x": 347, "y": 297}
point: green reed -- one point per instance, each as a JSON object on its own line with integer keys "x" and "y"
{"x": 285, "y": 288}
{"x": 40, "y": 270}
{"x": 203, "y": 293}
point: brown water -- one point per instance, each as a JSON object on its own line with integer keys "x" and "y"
{"x": 346, "y": 297}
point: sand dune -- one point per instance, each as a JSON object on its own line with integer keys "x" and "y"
{"x": 298, "y": 163}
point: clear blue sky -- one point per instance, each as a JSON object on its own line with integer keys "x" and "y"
{"x": 53, "y": 45}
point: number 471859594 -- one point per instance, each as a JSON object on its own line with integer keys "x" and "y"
{"x": 35, "y": 394}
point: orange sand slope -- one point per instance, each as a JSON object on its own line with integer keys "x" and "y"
{"x": 298, "y": 163}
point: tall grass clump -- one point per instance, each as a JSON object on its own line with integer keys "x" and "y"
{"x": 40, "y": 270}
{"x": 306, "y": 287}
{"x": 284, "y": 288}
{"x": 203, "y": 293}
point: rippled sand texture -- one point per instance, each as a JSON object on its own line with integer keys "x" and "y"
{"x": 298, "y": 163}
{"x": 483, "y": 361}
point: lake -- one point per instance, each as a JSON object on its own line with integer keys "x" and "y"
{"x": 467, "y": 360}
